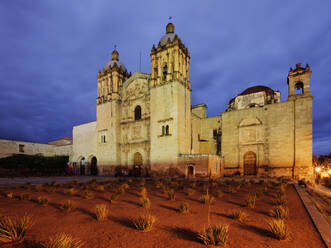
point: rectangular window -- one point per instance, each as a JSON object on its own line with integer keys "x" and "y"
{"x": 215, "y": 133}
{"x": 21, "y": 148}
{"x": 103, "y": 138}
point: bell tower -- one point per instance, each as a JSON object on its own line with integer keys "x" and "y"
{"x": 170, "y": 60}
{"x": 170, "y": 91}
{"x": 298, "y": 79}
{"x": 110, "y": 81}
{"x": 299, "y": 97}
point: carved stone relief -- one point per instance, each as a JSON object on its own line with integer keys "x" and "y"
{"x": 136, "y": 132}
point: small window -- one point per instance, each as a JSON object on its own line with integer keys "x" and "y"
{"x": 162, "y": 130}
{"x": 21, "y": 148}
{"x": 167, "y": 130}
{"x": 299, "y": 88}
{"x": 165, "y": 71}
{"x": 137, "y": 113}
{"x": 215, "y": 133}
{"x": 103, "y": 138}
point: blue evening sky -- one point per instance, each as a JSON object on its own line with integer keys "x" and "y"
{"x": 51, "y": 51}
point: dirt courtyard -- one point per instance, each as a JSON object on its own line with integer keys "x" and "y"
{"x": 171, "y": 229}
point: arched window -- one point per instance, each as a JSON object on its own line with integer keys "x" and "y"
{"x": 299, "y": 88}
{"x": 167, "y": 130}
{"x": 165, "y": 71}
{"x": 162, "y": 130}
{"x": 137, "y": 113}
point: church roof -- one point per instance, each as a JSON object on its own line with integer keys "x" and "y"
{"x": 255, "y": 89}
{"x": 165, "y": 38}
{"x": 115, "y": 62}
{"x": 112, "y": 63}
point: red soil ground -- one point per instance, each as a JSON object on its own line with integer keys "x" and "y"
{"x": 172, "y": 229}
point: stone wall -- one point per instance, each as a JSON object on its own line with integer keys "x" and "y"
{"x": 84, "y": 141}
{"x": 279, "y": 134}
{"x": 10, "y": 147}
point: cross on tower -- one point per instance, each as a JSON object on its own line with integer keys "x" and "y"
{"x": 115, "y": 47}
{"x": 170, "y": 18}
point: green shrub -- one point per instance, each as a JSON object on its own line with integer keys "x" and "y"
{"x": 10, "y": 195}
{"x": 62, "y": 240}
{"x": 25, "y": 197}
{"x": 83, "y": 186}
{"x": 26, "y": 186}
{"x": 43, "y": 201}
{"x": 278, "y": 228}
{"x": 171, "y": 195}
{"x": 114, "y": 197}
{"x": 101, "y": 212}
{"x": 207, "y": 198}
{"x": 68, "y": 206}
{"x": 165, "y": 189}
{"x": 33, "y": 165}
{"x": 252, "y": 181}
{"x": 190, "y": 192}
{"x": 258, "y": 192}
{"x": 70, "y": 191}
{"x": 13, "y": 229}
{"x": 279, "y": 212}
{"x": 143, "y": 192}
{"x": 250, "y": 200}
{"x": 125, "y": 186}
{"x": 51, "y": 189}
{"x": 280, "y": 200}
{"x": 158, "y": 184}
{"x": 239, "y": 215}
{"x": 38, "y": 187}
{"x": 216, "y": 235}
{"x": 120, "y": 191}
{"x": 231, "y": 189}
{"x": 219, "y": 194}
{"x": 87, "y": 195}
{"x": 142, "y": 182}
{"x": 184, "y": 208}
{"x": 145, "y": 202}
{"x": 144, "y": 222}
{"x": 100, "y": 188}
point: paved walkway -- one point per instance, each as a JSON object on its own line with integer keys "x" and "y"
{"x": 322, "y": 226}
{"x": 322, "y": 190}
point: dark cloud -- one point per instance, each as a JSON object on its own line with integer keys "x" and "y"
{"x": 50, "y": 52}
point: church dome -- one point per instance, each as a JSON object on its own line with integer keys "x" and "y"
{"x": 170, "y": 34}
{"x": 255, "y": 89}
{"x": 114, "y": 62}
{"x": 258, "y": 88}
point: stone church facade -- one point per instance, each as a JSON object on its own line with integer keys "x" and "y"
{"x": 146, "y": 123}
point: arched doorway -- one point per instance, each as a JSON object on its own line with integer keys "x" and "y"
{"x": 250, "y": 164}
{"x": 137, "y": 164}
{"x": 94, "y": 168}
{"x": 82, "y": 166}
{"x": 190, "y": 171}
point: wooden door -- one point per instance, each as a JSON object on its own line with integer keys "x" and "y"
{"x": 250, "y": 164}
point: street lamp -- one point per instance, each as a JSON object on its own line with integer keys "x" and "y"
{"x": 318, "y": 169}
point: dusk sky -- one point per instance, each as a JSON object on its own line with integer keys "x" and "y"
{"x": 51, "y": 51}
